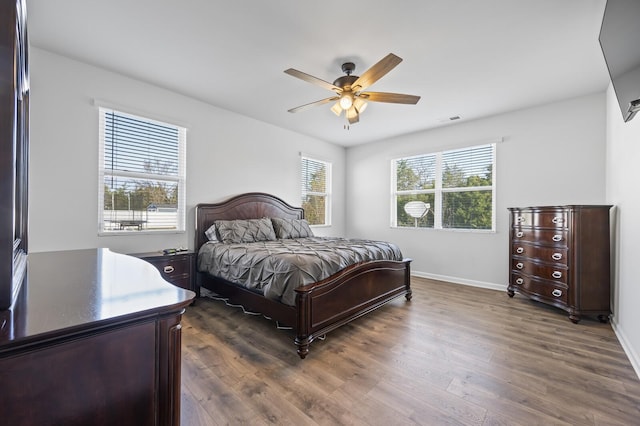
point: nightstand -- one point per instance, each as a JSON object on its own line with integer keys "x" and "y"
{"x": 178, "y": 269}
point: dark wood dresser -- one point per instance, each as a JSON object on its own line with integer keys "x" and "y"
{"x": 93, "y": 338}
{"x": 560, "y": 255}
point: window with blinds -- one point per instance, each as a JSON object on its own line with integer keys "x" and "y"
{"x": 316, "y": 190}
{"x": 142, "y": 174}
{"x": 445, "y": 190}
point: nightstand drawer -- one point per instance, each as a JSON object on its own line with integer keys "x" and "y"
{"x": 178, "y": 269}
{"x": 172, "y": 267}
{"x": 183, "y": 281}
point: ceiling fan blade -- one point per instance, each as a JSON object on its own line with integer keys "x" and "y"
{"x": 352, "y": 115}
{"x": 313, "y": 80}
{"x": 312, "y": 104}
{"x": 376, "y": 72}
{"x": 394, "y": 98}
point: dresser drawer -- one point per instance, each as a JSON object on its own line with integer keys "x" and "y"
{"x": 530, "y": 285}
{"x": 546, "y": 219}
{"x": 550, "y": 237}
{"x": 556, "y": 272}
{"x": 556, "y": 255}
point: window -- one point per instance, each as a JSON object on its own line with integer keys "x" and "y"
{"x": 142, "y": 174}
{"x": 316, "y": 191}
{"x": 446, "y": 190}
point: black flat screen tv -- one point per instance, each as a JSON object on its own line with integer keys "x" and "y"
{"x": 620, "y": 44}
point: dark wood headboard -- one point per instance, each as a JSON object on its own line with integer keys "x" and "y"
{"x": 252, "y": 205}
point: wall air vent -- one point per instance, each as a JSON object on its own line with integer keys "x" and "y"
{"x": 448, "y": 119}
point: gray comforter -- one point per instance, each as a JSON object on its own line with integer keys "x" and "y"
{"x": 276, "y": 268}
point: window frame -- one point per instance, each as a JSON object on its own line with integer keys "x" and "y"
{"x": 179, "y": 179}
{"x": 326, "y": 194}
{"x": 438, "y": 191}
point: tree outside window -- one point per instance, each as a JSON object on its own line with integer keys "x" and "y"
{"x": 458, "y": 186}
{"x": 315, "y": 179}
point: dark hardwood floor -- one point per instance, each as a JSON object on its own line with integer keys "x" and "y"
{"x": 454, "y": 355}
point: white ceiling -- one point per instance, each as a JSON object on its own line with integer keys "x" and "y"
{"x": 467, "y": 57}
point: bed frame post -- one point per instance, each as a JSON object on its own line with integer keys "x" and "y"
{"x": 303, "y": 306}
{"x": 407, "y": 279}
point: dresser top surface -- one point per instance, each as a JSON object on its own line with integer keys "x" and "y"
{"x": 568, "y": 206}
{"x": 75, "y": 290}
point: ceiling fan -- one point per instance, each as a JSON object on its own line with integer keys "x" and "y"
{"x": 349, "y": 89}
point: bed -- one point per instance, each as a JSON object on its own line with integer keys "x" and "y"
{"x": 315, "y": 308}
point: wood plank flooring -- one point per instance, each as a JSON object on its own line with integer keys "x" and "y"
{"x": 454, "y": 355}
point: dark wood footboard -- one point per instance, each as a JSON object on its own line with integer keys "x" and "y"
{"x": 355, "y": 291}
{"x": 328, "y": 304}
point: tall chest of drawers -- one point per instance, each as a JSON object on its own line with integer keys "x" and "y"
{"x": 560, "y": 255}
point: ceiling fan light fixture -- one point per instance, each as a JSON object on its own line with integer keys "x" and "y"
{"x": 360, "y": 104}
{"x": 346, "y": 100}
{"x": 352, "y": 115}
{"x": 337, "y": 109}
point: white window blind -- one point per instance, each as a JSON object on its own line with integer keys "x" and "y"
{"x": 142, "y": 174}
{"x": 315, "y": 190}
{"x": 445, "y": 190}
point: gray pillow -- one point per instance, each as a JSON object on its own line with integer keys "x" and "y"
{"x": 291, "y": 228}
{"x": 245, "y": 230}
{"x": 211, "y": 233}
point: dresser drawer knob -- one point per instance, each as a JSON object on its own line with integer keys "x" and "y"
{"x": 519, "y": 281}
{"x": 520, "y": 219}
{"x": 520, "y": 250}
{"x": 556, "y": 256}
{"x": 556, "y": 292}
{"x": 557, "y": 219}
{"x": 519, "y": 234}
{"x": 519, "y": 265}
{"x": 556, "y": 274}
{"x": 168, "y": 269}
{"x": 557, "y": 237}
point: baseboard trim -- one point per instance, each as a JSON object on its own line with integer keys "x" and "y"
{"x": 463, "y": 281}
{"x": 634, "y": 359}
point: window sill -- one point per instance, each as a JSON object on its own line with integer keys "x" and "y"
{"x": 130, "y": 233}
{"x": 474, "y": 231}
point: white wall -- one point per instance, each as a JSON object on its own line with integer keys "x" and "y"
{"x": 623, "y": 157}
{"x": 227, "y": 154}
{"x": 552, "y": 154}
